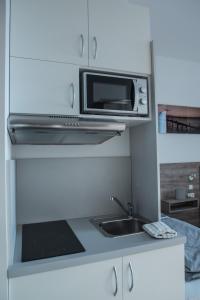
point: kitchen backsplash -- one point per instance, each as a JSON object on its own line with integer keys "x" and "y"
{"x": 50, "y": 189}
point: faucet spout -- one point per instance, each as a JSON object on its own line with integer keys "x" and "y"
{"x": 127, "y": 211}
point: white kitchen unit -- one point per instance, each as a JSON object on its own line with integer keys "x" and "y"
{"x": 119, "y": 36}
{"x": 49, "y": 42}
{"x": 48, "y": 30}
{"x": 97, "y": 281}
{"x": 117, "y": 32}
{"x": 156, "y": 275}
{"x": 48, "y": 87}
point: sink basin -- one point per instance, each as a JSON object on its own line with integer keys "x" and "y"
{"x": 119, "y": 227}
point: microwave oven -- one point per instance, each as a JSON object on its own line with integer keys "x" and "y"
{"x": 114, "y": 94}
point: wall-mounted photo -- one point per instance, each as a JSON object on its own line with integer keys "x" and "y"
{"x": 178, "y": 119}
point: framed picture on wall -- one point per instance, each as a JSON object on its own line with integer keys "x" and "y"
{"x": 178, "y": 119}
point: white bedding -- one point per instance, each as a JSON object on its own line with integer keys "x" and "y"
{"x": 192, "y": 290}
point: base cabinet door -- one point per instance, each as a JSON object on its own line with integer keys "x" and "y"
{"x": 40, "y": 87}
{"x": 119, "y": 36}
{"x": 96, "y": 281}
{"x": 155, "y": 275}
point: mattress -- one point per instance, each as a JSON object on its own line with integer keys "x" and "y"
{"x": 192, "y": 290}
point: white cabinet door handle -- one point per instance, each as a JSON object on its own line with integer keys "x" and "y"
{"x": 73, "y": 95}
{"x": 131, "y": 271}
{"x": 95, "y": 47}
{"x": 116, "y": 282}
{"x": 82, "y": 45}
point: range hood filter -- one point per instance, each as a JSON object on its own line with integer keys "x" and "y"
{"x": 45, "y": 130}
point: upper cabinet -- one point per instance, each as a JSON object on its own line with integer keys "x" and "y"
{"x": 50, "y": 30}
{"x": 111, "y": 34}
{"x": 41, "y": 87}
{"x": 119, "y": 36}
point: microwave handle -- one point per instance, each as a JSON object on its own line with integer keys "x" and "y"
{"x": 135, "y": 95}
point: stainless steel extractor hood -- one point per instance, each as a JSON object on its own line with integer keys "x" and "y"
{"x": 60, "y": 130}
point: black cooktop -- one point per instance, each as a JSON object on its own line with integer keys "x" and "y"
{"x": 48, "y": 239}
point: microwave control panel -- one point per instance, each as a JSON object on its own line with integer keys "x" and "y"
{"x": 141, "y": 96}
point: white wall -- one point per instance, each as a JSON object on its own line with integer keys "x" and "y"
{"x": 3, "y": 211}
{"x": 175, "y": 31}
{"x": 175, "y": 27}
{"x": 178, "y": 82}
{"x": 11, "y": 207}
{"x": 7, "y": 199}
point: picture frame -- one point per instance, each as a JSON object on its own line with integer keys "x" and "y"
{"x": 178, "y": 119}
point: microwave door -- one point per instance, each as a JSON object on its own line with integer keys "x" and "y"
{"x": 124, "y": 104}
{"x": 110, "y": 95}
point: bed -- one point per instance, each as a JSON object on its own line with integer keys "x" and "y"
{"x": 192, "y": 290}
{"x": 192, "y": 255}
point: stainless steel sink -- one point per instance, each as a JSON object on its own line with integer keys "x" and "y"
{"x": 119, "y": 227}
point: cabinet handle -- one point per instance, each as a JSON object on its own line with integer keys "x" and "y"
{"x": 73, "y": 95}
{"x": 131, "y": 271}
{"x": 116, "y": 282}
{"x": 82, "y": 45}
{"x": 95, "y": 47}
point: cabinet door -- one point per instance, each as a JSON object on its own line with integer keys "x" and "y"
{"x": 89, "y": 282}
{"x": 50, "y": 30}
{"x": 155, "y": 275}
{"x": 38, "y": 87}
{"x": 119, "y": 35}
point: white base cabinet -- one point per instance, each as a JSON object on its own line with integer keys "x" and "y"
{"x": 40, "y": 87}
{"x": 96, "y": 281}
{"x": 152, "y": 275}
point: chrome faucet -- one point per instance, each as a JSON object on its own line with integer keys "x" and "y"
{"x": 128, "y": 211}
